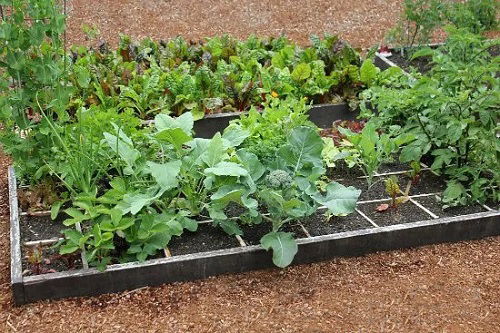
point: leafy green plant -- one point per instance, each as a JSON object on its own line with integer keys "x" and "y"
{"x": 269, "y": 129}
{"x": 453, "y": 115}
{"x": 418, "y": 21}
{"x": 369, "y": 149}
{"x": 33, "y": 68}
{"x": 393, "y": 190}
{"x": 421, "y": 18}
{"x": 290, "y": 192}
{"x": 474, "y": 15}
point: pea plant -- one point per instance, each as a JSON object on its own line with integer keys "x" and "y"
{"x": 33, "y": 72}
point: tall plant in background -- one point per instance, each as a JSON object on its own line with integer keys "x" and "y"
{"x": 417, "y": 23}
{"x": 474, "y": 15}
{"x": 421, "y": 18}
{"x": 32, "y": 58}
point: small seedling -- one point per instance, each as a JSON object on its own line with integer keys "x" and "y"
{"x": 37, "y": 263}
{"x": 414, "y": 173}
{"x": 393, "y": 190}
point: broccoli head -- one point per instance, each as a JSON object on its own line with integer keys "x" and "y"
{"x": 278, "y": 179}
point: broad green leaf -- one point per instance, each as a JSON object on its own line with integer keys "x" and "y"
{"x": 443, "y": 158}
{"x": 188, "y": 223}
{"x": 410, "y": 153}
{"x": 368, "y": 72}
{"x": 301, "y": 72}
{"x": 454, "y": 190}
{"x": 118, "y": 184}
{"x": 175, "y": 226}
{"x": 339, "y": 200}
{"x": 67, "y": 249}
{"x": 83, "y": 76}
{"x": 283, "y": 245}
{"x": 304, "y": 146}
{"x": 231, "y": 227}
{"x": 228, "y": 193}
{"x": 76, "y": 216}
{"x": 214, "y": 152}
{"x": 425, "y": 52}
{"x": 175, "y": 136}
{"x": 123, "y": 148}
{"x": 251, "y": 162}
{"x": 185, "y": 122}
{"x": 74, "y": 236}
{"x": 134, "y": 202}
{"x": 227, "y": 169}
{"x": 165, "y": 174}
{"x": 235, "y": 135}
{"x": 54, "y": 210}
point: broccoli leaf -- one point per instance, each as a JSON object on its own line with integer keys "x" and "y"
{"x": 283, "y": 245}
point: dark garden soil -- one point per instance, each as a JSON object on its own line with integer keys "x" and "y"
{"x": 494, "y": 50}
{"x": 393, "y": 167}
{"x": 428, "y": 183}
{"x": 207, "y": 238}
{"x": 375, "y": 191}
{"x": 50, "y": 261}
{"x": 39, "y": 227}
{"x": 318, "y": 225}
{"x": 295, "y": 229}
{"x": 253, "y": 233}
{"x": 342, "y": 171}
{"x": 422, "y": 64}
{"x": 404, "y": 213}
{"x": 492, "y": 204}
{"x": 434, "y": 205}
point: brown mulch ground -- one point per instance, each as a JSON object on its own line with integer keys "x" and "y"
{"x": 443, "y": 288}
{"x": 361, "y": 22}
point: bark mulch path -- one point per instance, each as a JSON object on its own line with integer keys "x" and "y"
{"x": 361, "y": 22}
{"x": 450, "y": 288}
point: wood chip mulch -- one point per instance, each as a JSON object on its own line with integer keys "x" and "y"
{"x": 442, "y": 288}
{"x": 361, "y": 22}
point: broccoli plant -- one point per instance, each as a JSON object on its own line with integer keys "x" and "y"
{"x": 279, "y": 179}
{"x": 289, "y": 191}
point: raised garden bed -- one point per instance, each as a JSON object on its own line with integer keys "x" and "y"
{"x": 422, "y": 64}
{"x": 323, "y": 115}
{"x": 398, "y": 59}
{"x": 210, "y": 252}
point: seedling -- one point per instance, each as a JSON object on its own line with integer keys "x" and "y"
{"x": 37, "y": 263}
{"x": 393, "y": 190}
{"x": 414, "y": 173}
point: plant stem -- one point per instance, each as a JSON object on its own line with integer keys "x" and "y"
{"x": 65, "y": 39}
{"x": 423, "y": 128}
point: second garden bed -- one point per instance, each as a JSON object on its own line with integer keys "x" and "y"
{"x": 209, "y": 251}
